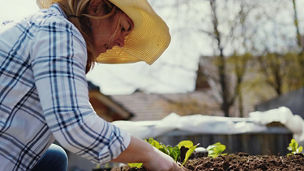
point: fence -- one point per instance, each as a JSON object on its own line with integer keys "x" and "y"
{"x": 274, "y": 140}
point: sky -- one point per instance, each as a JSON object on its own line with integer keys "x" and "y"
{"x": 16, "y": 9}
{"x": 126, "y": 78}
{"x": 175, "y": 70}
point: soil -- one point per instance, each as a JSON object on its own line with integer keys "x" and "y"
{"x": 241, "y": 162}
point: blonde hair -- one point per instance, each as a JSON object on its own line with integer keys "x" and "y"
{"x": 76, "y": 11}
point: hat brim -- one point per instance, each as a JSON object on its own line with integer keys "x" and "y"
{"x": 147, "y": 41}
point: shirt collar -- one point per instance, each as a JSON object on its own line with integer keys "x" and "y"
{"x": 56, "y": 7}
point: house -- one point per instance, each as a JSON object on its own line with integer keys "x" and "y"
{"x": 149, "y": 106}
{"x": 105, "y": 107}
{"x": 146, "y": 106}
{"x": 294, "y": 100}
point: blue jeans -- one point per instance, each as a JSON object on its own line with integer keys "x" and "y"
{"x": 54, "y": 159}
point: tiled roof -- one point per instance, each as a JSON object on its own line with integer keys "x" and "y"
{"x": 156, "y": 106}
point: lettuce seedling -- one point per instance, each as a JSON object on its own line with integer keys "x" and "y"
{"x": 161, "y": 147}
{"x": 137, "y": 165}
{"x": 216, "y": 150}
{"x": 188, "y": 145}
{"x": 173, "y": 152}
{"x": 294, "y": 147}
{"x": 180, "y": 152}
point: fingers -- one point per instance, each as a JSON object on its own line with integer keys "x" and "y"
{"x": 179, "y": 167}
{"x": 185, "y": 169}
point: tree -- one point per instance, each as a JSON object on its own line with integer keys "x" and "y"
{"x": 231, "y": 67}
{"x": 221, "y": 62}
{"x": 296, "y": 24}
{"x": 299, "y": 40}
{"x": 284, "y": 71}
{"x": 274, "y": 67}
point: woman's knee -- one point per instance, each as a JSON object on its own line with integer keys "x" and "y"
{"x": 55, "y": 158}
{"x": 57, "y": 152}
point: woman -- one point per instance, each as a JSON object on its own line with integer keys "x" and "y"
{"x": 44, "y": 94}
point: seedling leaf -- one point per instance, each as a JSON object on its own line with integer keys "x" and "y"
{"x": 137, "y": 165}
{"x": 165, "y": 150}
{"x": 294, "y": 147}
{"x": 174, "y": 152}
{"x": 300, "y": 149}
{"x": 216, "y": 150}
{"x": 154, "y": 143}
{"x": 189, "y": 152}
{"x": 185, "y": 143}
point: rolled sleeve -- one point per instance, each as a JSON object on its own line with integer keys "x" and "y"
{"x": 59, "y": 60}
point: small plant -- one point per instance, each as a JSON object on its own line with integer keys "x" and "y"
{"x": 294, "y": 147}
{"x": 186, "y": 149}
{"x": 137, "y": 165}
{"x": 180, "y": 153}
{"x": 216, "y": 150}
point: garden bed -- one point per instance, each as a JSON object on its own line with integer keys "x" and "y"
{"x": 212, "y": 158}
{"x": 241, "y": 162}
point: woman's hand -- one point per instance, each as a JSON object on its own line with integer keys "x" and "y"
{"x": 140, "y": 151}
{"x": 159, "y": 161}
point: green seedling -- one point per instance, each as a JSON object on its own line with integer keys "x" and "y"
{"x": 188, "y": 145}
{"x": 216, "y": 150}
{"x": 294, "y": 148}
{"x": 180, "y": 152}
{"x": 137, "y": 165}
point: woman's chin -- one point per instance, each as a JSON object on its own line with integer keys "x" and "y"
{"x": 102, "y": 51}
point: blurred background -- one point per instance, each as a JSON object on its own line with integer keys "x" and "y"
{"x": 240, "y": 53}
{"x": 226, "y": 58}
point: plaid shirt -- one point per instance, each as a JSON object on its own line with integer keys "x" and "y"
{"x": 44, "y": 94}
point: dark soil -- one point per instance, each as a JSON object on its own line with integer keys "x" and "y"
{"x": 241, "y": 162}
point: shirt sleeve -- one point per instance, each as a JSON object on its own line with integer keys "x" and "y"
{"x": 59, "y": 60}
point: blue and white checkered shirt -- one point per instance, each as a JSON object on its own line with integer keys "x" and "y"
{"x": 44, "y": 94}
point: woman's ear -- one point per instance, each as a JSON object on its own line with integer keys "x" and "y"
{"x": 95, "y": 7}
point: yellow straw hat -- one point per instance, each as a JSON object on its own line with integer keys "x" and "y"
{"x": 148, "y": 40}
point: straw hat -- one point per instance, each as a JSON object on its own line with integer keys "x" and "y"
{"x": 147, "y": 41}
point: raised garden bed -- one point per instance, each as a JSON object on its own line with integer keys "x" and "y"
{"x": 213, "y": 159}
{"x": 240, "y": 162}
